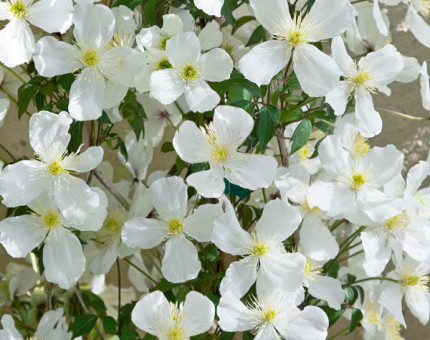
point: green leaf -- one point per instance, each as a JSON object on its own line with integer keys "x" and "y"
{"x": 301, "y": 135}
{"x": 75, "y": 131}
{"x": 333, "y": 268}
{"x": 227, "y": 11}
{"x": 133, "y": 111}
{"x": 83, "y": 324}
{"x": 167, "y": 147}
{"x": 125, "y": 315}
{"x": 109, "y": 324}
{"x": 149, "y": 337}
{"x": 94, "y": 301}
{"x": 66, "y": 81}
{"x": 128, "y": 333}
{"x": 292, "y": 84}
{"x": 132, "y": 4}
{"x": 25, "y": 94}
{"x": 258, "y": 35}
{"x": 249, "y": 86}
{"x": 165, "y": 286}
{"x": 351, "y": 295}
{"x": 235, "y": 190}
{"x": 268, "y": 119}
{"x": 242, "y": 21}
{"x": 291, "y": 113}
{"x": 356, "y": 317}
{"x": 332, "y": 314}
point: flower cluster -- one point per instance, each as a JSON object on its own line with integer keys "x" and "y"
{"x": 246, "y": 196}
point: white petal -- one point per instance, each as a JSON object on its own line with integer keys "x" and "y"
{"x": 208, "y": 183}
{"x": 198, "y": 314}
{"x": 391, "y": 298}
{"x": 104, "y": 258}
{"x": 145, "y": 233}
{"x": 418, "y": 300}
{"x": 200, "y": 97}
{"x": 411, "y": 71}
{"x": 113, "y": 95}
{"x": 63, "y": 258}
{"x": 316, "y": 71}
{"x": 370, "y": 122}
{"x": 151, "y": 312}
{"x": 210, "y": 36}
{"x": 51, "y": 15}
{"x": 149, "y": 38}
{"x": 200, "y": 224}
{"x": 124, "y": 65}
{"x": 379, "y": 20}
{"x": 267, "y": 332}
{"x": 425, "y": 86}
{"x": 169, "y": 197}
{"x": 53, "y": 57}
{"x": 49, "y": 136}
{"x": 22, "y": 182}
{"x": 9, "y": 331}
{"x": 166, "y": 86}
{"x": 180, "y": 262}
{"x": 279, "y": 220}
{"x": 215, "y": 65}
{"x": 233, "y": 314}
{"x": 87, "y": 29}
{"x": 338, "y": 97}
{"x": 232, "y": 125}
{"x": 87, "y": 160}
{"x": 264, "y": 61}
{"x": 251, "y": 171}
{"x": 20, "y": 235}
{"x": 86, "y": 95}
{"x": 19, "y": 40}
{"x": 229, "y": 236}
{"x": 211, "y": 7}
{"x": 183, "y": 49}
{"x": 172, "y": 25}
{"x": 328, "y": 289}
{"x": 419, "y": 28}
{"x": 239, "y": 277}
{"x": 317, "y": 241}
{"x": 274, "y": 15}
{"x": 332, "y": 16}
{"x": 190, "y": 143}
{"x": 377, "y": 252}
{"x": 381, "y": 173}
{"x": 416, "y": 176}
{"x": 342, "y": 58}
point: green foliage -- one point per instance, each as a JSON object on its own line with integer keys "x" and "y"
{"x": 356, "y": 317}
{"x": 83, "y": 324}
{"x": 133, "y": 111}
{"x": 268, "y": 119}
{"x": 301, "y": 135}
{"x": 26, "y": 93}
{"x": 258, "y": 35}
{"x": 109, "y": 324}
{"x": 153, "y": 11}
{"x": 227, "y": 10}
{"x": 333, "y": 314}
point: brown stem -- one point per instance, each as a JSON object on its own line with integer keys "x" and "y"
{"x": 282, "y": 146}
{"x": 121, "y": 199}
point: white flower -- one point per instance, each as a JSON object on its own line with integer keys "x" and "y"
{"x": 189, "y": 72}
{"x": 155, "y": 315}
{"x": 425, "y": 86}
{"x": 52, "y": 172}
{"x": 211, "y": 7}
{"x": 217, "y": 144}
{"x": 369, "y": 75}
{"x": 413, "y": 279}
{"x": 169, "y": 197}
{"x": 106, "y": 70}
{"x": 419, "y": 28}
{"x": 49, "y": 15}
{"x": 316, "y": 71}
{"x": 265, "y": 259}
{"x": 271, "y": 315}
{"x": 63, "y": 257}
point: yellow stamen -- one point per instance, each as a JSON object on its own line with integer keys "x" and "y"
{"x": 162, "y": 43}
{"x": 189, "y": 73}
{"x": 51, "y": 219}
{"x": 399, "y": 221}
{"x": 90, "y": 57}
{"x": 312, "y": 269}
{"x": 360, "y": 146}
{"x": 176, "y": 332}
{"x": 259, "y": 249}
{"x": 56, "y": 168}
{"x": 163, "y": 64}
{"x": 175, "y": 226}
{"x": 18, "y": 9}
{"x": 358, "y": 180}
{"x": 115, "y": 220}
{"x": 269, "y": 315}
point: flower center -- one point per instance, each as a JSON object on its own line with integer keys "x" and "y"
{"x": 219, "y": 153}
{"x": 415, "y": 281}
{"x": 371, "y": 315}
{"x": 164, "y": 64}
{"x": 162, "y": 43}
{"x": 115, "y": 220}
{"x": 361, "y": 78}
{"x": 296, "y": 37}
{"x": 307, "y": 208}
{"x": 176, "y": 332}
{"x": 358, "y": 180}
{"x": 259, "y": 249}
{"x": 56, "y": 168}
{"x": 304, "y": 152}
{"x": 89, "y": 57}
{"x": 189, "y": 73}
{"x": 269, "y": 315}
{"x": 51, "y": 219}
{"x": 312, "y": 269}
{"x": 18, "y": 9}
{"x": 175, "y": 226}
{"x": 397, "y": 222}
{"x": 360, "y": 146}
{"x": 424, "y": 7}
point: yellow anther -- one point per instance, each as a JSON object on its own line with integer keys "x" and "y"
{"x": 189, "y": 73}
{"x": 398, "y": 221}
{"x": 358, "y": 180}
{"x": 219, "y": 153}
{"x": 162, "y": 43}
{"x": 90, "y": 57}
{"x": 176, "y": 332}
{"x": 51, "y": 219}
{"x": 360, "y": 146}
{"x": 268, "y": 316}
{"x": 175, "y": 226}
{"x": 164, "y": 64}
{"x": 56, "y": 168}
{"x": 260, "y": 249}
{"x": 18, "y": 9}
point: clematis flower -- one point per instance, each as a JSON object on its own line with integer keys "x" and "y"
{"x": 211, "y": 7}
{"x": 49, "y": 15}
{"x": 363, "y": 79}
{"x": 419, "y": 28}
{"x": 51, "y": 173}
{"x": 63, "y": 258}
{"x": 106, "y": 70}
{"x": 169, "y": 197}
{"x": 156, "y": 316}
{"x": 316, "y": 71}
{"x": 271, "y": 316}
{"x": 264, "y": 258}
{"x": 189, "y": 72}
{"x": 217, "y": 144}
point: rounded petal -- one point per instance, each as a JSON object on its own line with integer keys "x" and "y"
{"x": 200, "y": 97}
{"x": 209, "y": 183}
{"x": 113, "y": 95}
{"x": 233, "y": 314}
{"x": 279, "y": 220}
{"x": 338, "y": 97}
{"x": 418, "y": 301}
{"x": 200, "y": 224}
{"x": 267, "y": 332}
{"x": 166, "y": 86}
{"x": 343, "y": 60}
{"x": 328, "y": 289}
{"x": 425, "y": 86}
{"x": 210, "y": 36}
{"x": 9, "y": 331}
{"x": 53, "y": 57}
{"x": 239, "y": 277}
{"x": 198, "y": 314}
{"x": 169, "y": 197}
{"x": 211, "y": 7}
{"x": 419, "y": 28}
{"x": 316, "y": 71}
{"x": 19, "y": 39}
{"x": 215, "y": 65}
{"x": 86, "y": 161}
{"x": 274, "y": 15}
{"x": 150, "y": 313}
{"x": 20, "y": 235}
{"x": 104, "y": 258}
{"x": 51, "y": 15}
{"x": 63, "y": 258}
{"x": 391, "y": 299}
{"x": 251, "y": 171}
{"x": 172, "y": 24}
{"x": 264, "y": 61}
{"x": 180, "y": 262}
{"x": 370, "y": 122}
{"x": 379, "y": 157}
{"x": 86, "y": 95}
{"x": 183, "y": 49}
{"x": 190, "y": 143}
{"x": 145, "y": 233}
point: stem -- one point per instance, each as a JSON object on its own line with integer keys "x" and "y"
{"x": 369, "y": 279}
{"x": 118, "y": 269}
{"x": 336, "y": 224}
{"x": 339, "y": 333}
{"x": 13, "y": 72}
{"x": 84, "y": 307}
{"x": 122, "y": 200}
{"x": 179, "y": 108}
{"x": 352, "y": 255}
{"x": 282, "y": 147}
{"x": 403, "y": 115}
{"x": 153, "y": 262}
{"x": 171, "y": 123}
{"x": 8, "y": 152}
{"x": 140, "y": 270}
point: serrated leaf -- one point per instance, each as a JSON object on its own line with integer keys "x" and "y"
{"x": 83, "y": 324}
{"x": 301, "y": 135}
{"x": 258, "y": 35}
{"x": 356, "y": 317}
{"x": 268, "y": 119}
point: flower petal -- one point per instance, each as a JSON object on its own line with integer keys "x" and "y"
{"x": 370, "y": 122}
{"x": 190, "y": 143}
{"x": 239, "y": 277}
{"x": 166, "y": 86}
{"x": 328, "y": 289}
{"x": 19, "y": 39}
{"x": 209, "y": 183}
{"x": 274, "y": 15}
{"x": 198, "y": 314}
{"x": 51, "y": 15}
{"x": 233, "y": 314}
{"x": 145, "y": 233}
{"x": 200, "y": 97}
{"x": 419, "y": 28}
{"x": 215, "y": 65}
{"x": 169, "y": 197}
{"x": 342, "y": 58}
{"x": 338, "y": 97}
{"x": 183, "y": 49}
{"x": 200, "y": 224}
{"x": 211, "y": 7}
